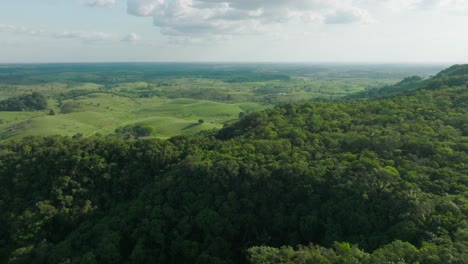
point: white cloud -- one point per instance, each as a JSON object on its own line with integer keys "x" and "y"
{"x": 347, "y": 16}
{"x": 7, "y": 28}
{"x": 447, "y": 5}
{"x": 144, "y": 7}
{"x": 101, "y": 3}
{"x": 232, "y": 17}
{"x": 84, "y": 36}
{"x": 453, "y": 6}
{"x": 21, "y": 30}
{"x": 132, "y": 37}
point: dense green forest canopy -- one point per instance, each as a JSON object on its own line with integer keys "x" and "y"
{"x": 27, "y": 102}
{"x": 363, "y": 181}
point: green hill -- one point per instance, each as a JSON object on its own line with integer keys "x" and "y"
{"x": 366, "y": 181}
{"x": 456, "y": 75}
{"x": 455, "y": 70}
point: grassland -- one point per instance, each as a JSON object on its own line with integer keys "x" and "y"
{"x": 102, "y": 113}
{"x": 98, "y": 99}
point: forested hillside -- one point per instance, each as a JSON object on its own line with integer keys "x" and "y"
{"x": 364, "y": 181}
{"x": 452, "y": 76}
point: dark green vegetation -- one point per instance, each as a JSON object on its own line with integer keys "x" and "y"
{"x": 365, "y": 181}
{"x": 172, "y": 97}
{"x": 28, "y": 102}
{"x": 453, "y": 76}
{"x": 135, "y": 131}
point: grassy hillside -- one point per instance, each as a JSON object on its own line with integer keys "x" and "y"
{"x": 91, "y": 99}
{"x": 102, "y": 113}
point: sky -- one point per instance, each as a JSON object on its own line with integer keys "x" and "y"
{"x": 343, "y": 31}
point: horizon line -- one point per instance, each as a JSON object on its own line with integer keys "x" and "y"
{"x": 245, "y": 62}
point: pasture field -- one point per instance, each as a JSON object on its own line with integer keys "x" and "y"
{"x": 174, "y": 99}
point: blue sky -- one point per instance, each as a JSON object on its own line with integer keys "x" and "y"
{"x": 401, "y": 31}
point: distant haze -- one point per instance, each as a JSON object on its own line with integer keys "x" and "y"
{"x": 362, "y": 31}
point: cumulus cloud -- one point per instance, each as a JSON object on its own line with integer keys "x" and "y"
{"x": 84, "y": 36}
{"x": 347, "y": 16}
{"x": 144, "y": 7}
{"x": 21, "y": 30}
{"x": 231, "y": 17}
{"x": 448, "y": 5}
{"x": 453, "y": 6}
{"x": 101, "y": 3}
{"x": 132, "y": 37}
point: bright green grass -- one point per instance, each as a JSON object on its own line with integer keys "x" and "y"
{"x": 211, "y": 111}
{"x": 44, "y": 126}
{"x": 104, "y": 113}
{"x": 174, "y": 107}
{"x": 166, "y": 127}
{"x": 7, "y": 117}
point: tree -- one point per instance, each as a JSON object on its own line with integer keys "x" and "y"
{"x": 27, "y": 102}
{"x": 135, "y": 131}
